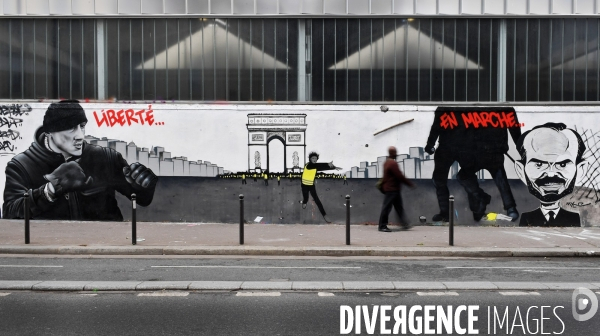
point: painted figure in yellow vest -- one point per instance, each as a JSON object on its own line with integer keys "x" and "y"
{"x": 308, "y": 181}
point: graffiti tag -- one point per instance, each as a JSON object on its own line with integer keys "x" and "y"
{"x": 578, "y": 204}
{"x": 448, "y": 120}
{"x": 490, "y": 119}
{"x": 10, "y": 134}
{"x": 111, "y": 118}
{"x": 14, "y": 109}
{"x": 480, "y": 119}
{"x": 10, "y": 122}
{"x": 7, "y": 145}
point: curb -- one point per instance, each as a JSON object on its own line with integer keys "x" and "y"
{"x": 474, "y": 252}
{"x": 301, "y": 286}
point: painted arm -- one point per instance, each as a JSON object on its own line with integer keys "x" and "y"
{"x": 14, "y": 189}
{"x": 135, "y": 178}
{"x": 434, "y": 133}
{"x": 322, "y": 166}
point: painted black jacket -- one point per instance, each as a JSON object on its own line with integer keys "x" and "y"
{"x": 25, "y": 174}
{"x": 488, "y": 137}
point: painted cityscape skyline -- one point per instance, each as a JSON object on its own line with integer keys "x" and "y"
{"x": 415, "y": 165}
{"x": 159, "y": 160}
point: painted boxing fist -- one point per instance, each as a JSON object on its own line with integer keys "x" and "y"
{"x": 139, "y": 176}
{"x": 430, "y": 150}
{"x": 68, "y": 177}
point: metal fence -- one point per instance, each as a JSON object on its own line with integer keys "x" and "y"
{"x": 202, "y": 59}
{"x": 47, "y": 58}
{"x": 404, "y": 59}
{"x": 288, "y": 59}
{"x": 553, "y": 60}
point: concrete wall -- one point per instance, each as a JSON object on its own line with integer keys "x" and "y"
{"x": 214, "y": 200}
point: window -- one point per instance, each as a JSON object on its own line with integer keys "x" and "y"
{"x": 328, "y": 59}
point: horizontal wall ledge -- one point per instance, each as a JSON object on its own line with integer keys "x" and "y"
{"x": 297, "y": 16}
{"x": 245, "y": 104}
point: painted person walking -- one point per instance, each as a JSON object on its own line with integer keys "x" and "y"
{"x": 391, "y": 185}
{"x": 308, "y": 181}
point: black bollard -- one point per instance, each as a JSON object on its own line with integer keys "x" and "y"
{"x": 451, "y": 228}
{"x": 347, "y": 219}
{"x": 133, "y": 220}
{"x": 26, "y": 216}
{"x": 241, "y": 219}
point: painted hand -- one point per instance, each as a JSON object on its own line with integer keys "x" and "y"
{"x": 68, "y": 177}
{"x": 430, "y": 150}
{"x": 139, "y": 176}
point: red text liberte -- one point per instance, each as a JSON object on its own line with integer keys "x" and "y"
{"x": 122, "y": 117}
{"x": 480, "y": 119}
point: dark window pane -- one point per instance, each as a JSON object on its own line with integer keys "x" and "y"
{"x": 544, "y": 57}
{"x": 89, "y": 65}
{"x": 354, "y": 43}
{"x": 136, "y": 59}
{"x": 556, "y": 60}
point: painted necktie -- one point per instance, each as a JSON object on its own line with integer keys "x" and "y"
{"x": 551, "y": 217}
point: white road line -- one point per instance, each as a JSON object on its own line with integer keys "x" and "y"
{"x": 164, "y": 294}
{"x": 32, "y": 266}
{"x": 88, "y": 294}
{"x": 437, "y": 293}
{"x": 326, "y": 294}
{"x": 258, "y": 294}
{"x": 260, "y": 267}
{"x": 4, "y": 294}
{"x": 522, "y": 267}
{"x": 518, "y": 293}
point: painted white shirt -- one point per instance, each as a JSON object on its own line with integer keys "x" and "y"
{"x": 546, "y": 210}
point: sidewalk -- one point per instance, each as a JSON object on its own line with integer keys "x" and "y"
{"x": 114, "y": 238}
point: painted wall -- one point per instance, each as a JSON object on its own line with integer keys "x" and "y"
{"x": 188, "y": 145}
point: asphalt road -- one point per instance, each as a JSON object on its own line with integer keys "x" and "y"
{"x": 287, "y": 313}
{"x": 46, "y": 268}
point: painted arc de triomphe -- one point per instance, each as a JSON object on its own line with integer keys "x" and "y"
{"x": 290, "y": 129}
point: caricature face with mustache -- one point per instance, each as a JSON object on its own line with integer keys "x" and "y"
{"x": 550, "y": 169}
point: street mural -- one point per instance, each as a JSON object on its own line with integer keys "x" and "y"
{"x": 551, "y": 160}
{"x": 64, "y": 177}
{"x": 309, "y": 184}
{"x": 525, "y": 166}
{"x": 476, "y": 140}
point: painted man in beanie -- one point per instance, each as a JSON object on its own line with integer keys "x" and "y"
{"x": 392, "y": 180}
{"x": 67, "y": 178}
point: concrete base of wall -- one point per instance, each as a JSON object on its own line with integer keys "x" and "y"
{"x": 215, "y": 200}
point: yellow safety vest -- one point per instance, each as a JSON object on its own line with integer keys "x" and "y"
{"x": 308, "y": 176}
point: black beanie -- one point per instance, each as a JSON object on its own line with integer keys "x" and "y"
{"x": 63, "y": 115}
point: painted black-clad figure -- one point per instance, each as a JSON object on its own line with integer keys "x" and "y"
{"x": 69, "y": 179}
{"x": 477, "y": 139}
